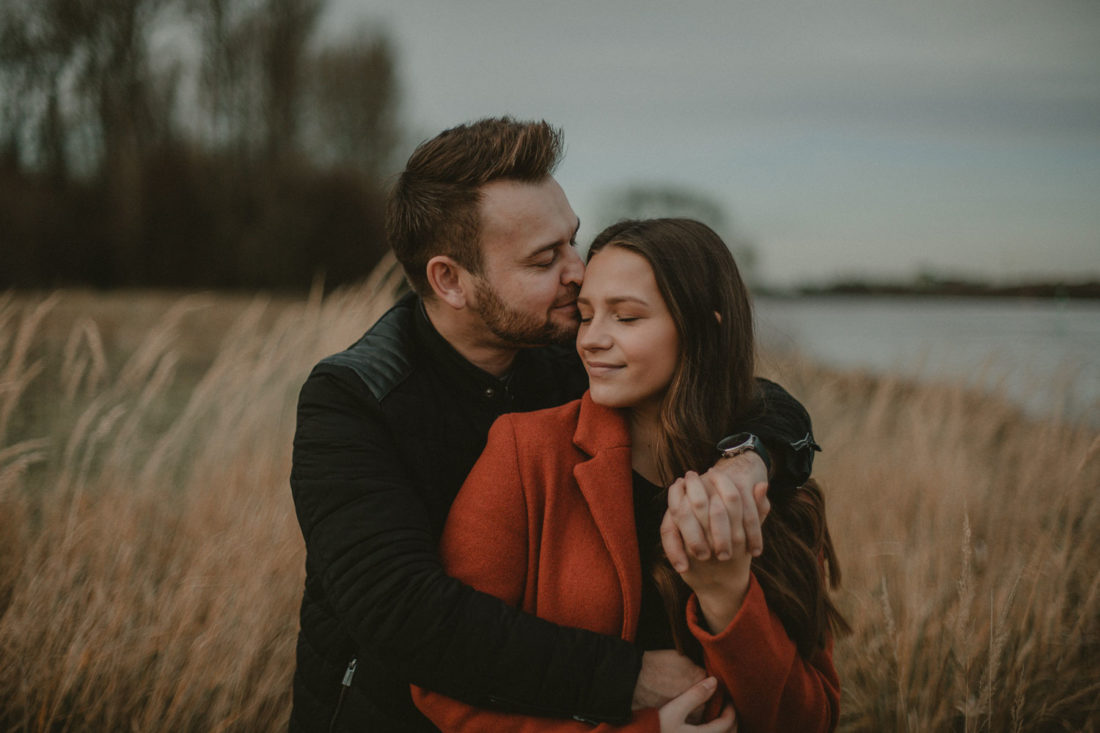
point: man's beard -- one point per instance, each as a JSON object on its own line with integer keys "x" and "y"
{"x": 519, "y": 329}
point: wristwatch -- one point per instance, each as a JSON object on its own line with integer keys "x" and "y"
{"x": 738, "y": 443}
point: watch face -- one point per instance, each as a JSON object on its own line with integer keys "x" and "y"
{"x": 740, "y": 443}
{"x": 736, "y": 442}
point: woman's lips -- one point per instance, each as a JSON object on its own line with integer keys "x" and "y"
{"x": 601, "y": 369}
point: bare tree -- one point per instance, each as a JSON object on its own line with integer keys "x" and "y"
{"x": 350, "y": 106}
{"x": 661, "y": 200}
{"x": 252, "y": 75}
{"x": 37, "y": 44}
{"x": 290, "y": 24}
{"x": 81, "y": 70}
{"x": 269, "y": 173}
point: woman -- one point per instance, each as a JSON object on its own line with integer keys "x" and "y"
{"x": 561, "y": 514}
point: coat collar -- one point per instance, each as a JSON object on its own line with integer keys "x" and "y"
{"x": 606, "y": 482}
{"x": 600, "y": 428}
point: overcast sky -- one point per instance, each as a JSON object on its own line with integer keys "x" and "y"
{"x": 845, "y": 138}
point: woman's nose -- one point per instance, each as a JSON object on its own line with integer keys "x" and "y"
{"x": 592, "y": 336}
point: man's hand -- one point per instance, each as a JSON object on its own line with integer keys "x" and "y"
{"x": 743, "y": 476}
{"x": 734, "y": 487}
{"x": 666, "y": 674}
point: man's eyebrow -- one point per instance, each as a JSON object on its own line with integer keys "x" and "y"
{"x": 533, "y": 254}
{"x": 552, "y": 245}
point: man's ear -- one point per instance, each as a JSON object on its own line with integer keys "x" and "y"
{"x": 449, "y": 281}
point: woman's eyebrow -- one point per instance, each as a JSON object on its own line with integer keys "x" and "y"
{"x": 616, "y": 299}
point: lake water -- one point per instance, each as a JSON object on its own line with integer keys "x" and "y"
{"x": 1046, "y": 353}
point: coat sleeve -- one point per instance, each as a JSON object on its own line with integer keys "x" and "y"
{"x": 372, "y": 553}
{"x": 773, "y": 688}
{"x": 487, "y": 543}
{"x": 785, "y": 427}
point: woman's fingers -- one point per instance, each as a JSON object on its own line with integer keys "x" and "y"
{"x": 735, "y": 514}
{"x": 721, "y": 537}
{"x": 673, "y": 544}
{"x": 675, "y": 712}
{"x": 726, "y": 722}
{"x": 697, "y": 496}
{"x": 690, "y": 508}
{"x": 714, "y": 515}
{"x": 743, "y": 473}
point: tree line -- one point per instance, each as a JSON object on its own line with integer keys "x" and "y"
{"x": 189, "y": 143}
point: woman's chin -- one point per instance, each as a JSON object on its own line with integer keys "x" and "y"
{"x": 609, "y": 398}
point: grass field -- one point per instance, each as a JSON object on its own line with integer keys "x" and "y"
{"x": 151, "y": 566}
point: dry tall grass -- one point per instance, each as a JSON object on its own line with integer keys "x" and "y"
{"x": 150, "y": 564}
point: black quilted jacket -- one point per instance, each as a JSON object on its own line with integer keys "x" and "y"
{"x": 387, "y": 431}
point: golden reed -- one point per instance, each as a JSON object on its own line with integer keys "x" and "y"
{"x": 150, "y": 563}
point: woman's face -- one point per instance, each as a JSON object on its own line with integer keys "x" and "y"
{"x": 627, "y": 338}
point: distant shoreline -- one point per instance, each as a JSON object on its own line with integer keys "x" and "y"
{"x": 954, "y": 288}
{"x": 1087, "y": 290}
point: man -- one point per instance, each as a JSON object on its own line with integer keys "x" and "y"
{"x": 389, "y": 428}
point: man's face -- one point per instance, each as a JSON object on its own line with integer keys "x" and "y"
{"x": 531, "y": 273}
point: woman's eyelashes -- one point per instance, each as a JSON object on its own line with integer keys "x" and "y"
{"x": 585, "y": 318}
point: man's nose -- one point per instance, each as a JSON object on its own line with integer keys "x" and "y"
{"x": 573, "y": 272}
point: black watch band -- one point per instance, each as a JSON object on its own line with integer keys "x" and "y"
{"x": 738, "y": 443}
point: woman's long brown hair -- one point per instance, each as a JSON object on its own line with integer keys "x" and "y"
{"x": 712, "y": 386}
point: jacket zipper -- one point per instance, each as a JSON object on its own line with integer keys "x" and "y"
{"x": 349, "y": 674}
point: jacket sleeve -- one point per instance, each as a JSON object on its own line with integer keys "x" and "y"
{"x": 370, "y": 545}
{"x": 773, "y": 688}
{"x": 784, "y": 425}
{"x": 487, "y": 543}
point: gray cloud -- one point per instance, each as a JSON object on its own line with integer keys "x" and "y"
{"x": 858, "y": 130}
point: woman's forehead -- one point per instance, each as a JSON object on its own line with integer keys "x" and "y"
{"x": 618, "y": 273}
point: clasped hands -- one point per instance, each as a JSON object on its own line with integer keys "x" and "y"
{"x": 710, "y": 533}
{"x": 712, "y": 530}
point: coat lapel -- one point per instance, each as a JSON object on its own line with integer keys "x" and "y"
{"x": 606, "y": 482}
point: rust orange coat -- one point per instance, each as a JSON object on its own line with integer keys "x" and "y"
{"x": 545, "y": 521}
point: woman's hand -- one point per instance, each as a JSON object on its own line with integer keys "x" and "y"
{"x": 741, "y": 483}
{"x": 676, "y": 713}
{"x": 736, "y": 479}
{"x": 709, "y": 510}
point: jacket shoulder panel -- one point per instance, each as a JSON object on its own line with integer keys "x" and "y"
{"x": 382, "y": 358}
